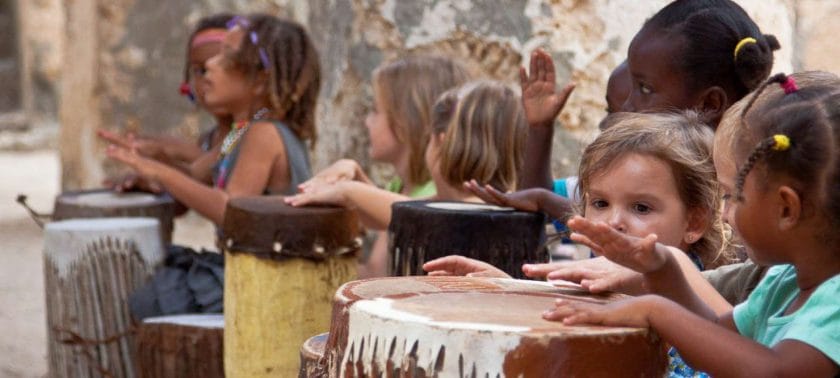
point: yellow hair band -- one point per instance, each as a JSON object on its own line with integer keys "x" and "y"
{"x": 741, "y": 44}
{"x": 782, "y": 142}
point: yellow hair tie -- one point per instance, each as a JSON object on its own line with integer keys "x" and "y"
{"x": 782, "y": 142}
{"x": 741, "y": 44}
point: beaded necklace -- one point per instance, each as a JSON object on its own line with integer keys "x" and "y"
{"x": 237, "y": 129}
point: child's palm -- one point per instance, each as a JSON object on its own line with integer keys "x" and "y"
{"x": 540, "y": 98}
{"x": 639, "y": 254}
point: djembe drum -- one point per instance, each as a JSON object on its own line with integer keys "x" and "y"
{"x": 461, "y": 326}
{"x": 421, "y": 231}
{"x": 181, "y": 346}
{"x": 90, "y": 268}
{"x": 104, "y": 203}
{"x": 282, "y": 267}
{"x": 311, "y": 356}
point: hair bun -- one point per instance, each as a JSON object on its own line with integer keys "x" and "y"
{"x": 772, "y": 42}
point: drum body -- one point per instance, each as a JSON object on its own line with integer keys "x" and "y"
{"x": 312, "y": 363}
{"x": 104, "y": 203}
{"x": 282, "y": 267}
{"x": 421, "y": 231}
{"x": 459, "y": 326}
{"x": 181, "y": 346}
{"x": 90, "y": 268}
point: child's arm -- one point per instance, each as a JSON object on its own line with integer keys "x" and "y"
{"x": 344, "y": 169}
{"x": 717, "y": 349}
{"x": 535, "y": 199}
{"x": 372, "y": 204}
{"x": 667, "y": 271}
{"x": 542, "y": 104}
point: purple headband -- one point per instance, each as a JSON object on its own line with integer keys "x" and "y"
{"x": 252, "y": 35}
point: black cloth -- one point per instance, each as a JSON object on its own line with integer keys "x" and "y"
{"x": 188, "y": 282}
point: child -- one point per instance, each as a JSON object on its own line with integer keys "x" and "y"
{"x": 718, "y": 56}
{"x": 781, "y": 199}
{"x": 616, "y": 170}
{"x": 404, "y": 91}
{"x": 267, "y": 70}
{"x": 478, "y": 130}
{"x": 205, "y": 42}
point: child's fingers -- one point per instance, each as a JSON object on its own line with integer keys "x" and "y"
{"x": 534, "y": 66}
{"x": 583, "y": 239}
{"x": 572, "y": 274}
{"x": 523, "y": 78}
{"x": 539, "y": 270}
{"x": 499, "y": 198}
{"x": 565, "y": 93}
{"x": 440, "y": 273}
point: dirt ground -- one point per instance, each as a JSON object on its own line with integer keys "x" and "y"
{"x": 22, "y": 313}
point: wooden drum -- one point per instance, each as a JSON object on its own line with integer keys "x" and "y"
{"x": 421, "y": 231}
{"x": 477, "y": 327}
{"x": 282, "y": 267}
{"x": 90, "y": 268}
{"x": 181, "y": 346}
{"x": 312, "y": 362}
{"x": 105, "y": 203}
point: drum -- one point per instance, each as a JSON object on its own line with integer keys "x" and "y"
{"x": 421, "y": 231}
{"x": 461, "y": 326}
{"x": 105, "y": 203}
{"x": 312, "y": 363}
{"x": 90, "y": 268}
{"x": 181, "y": 346}
{"x": 282, "y": 267}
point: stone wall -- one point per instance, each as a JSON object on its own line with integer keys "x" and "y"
{"x": 118, "y": 62}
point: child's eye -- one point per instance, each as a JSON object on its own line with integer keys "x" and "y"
{"x": 645, "y": 89}
{"x": 726, "y": 197}
{"x": 641, "y": 208}
{"x": 599, "y": 204}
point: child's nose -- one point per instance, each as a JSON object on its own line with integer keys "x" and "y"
{"x": 627, "y": 106}
{"x": 616, "y": 221}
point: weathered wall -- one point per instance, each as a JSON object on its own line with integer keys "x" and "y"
{"x": 123, "y": 73}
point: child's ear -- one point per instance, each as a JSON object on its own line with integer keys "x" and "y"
{"x": 714, "y": 101}
{"x": 260, "y": 82}
{"x": 697, "y": 225}
{"x": 790, "y": 209}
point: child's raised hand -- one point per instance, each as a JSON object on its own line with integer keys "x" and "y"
{"x": 455, "y": 265}
{"x": 633, "y": 312}
{"x": 325, "y": 194}
{"x": 639, "y": 254}
{"x": 344, "y": 169}
{"x": 144, "y": 167}
{"x": 144, "y": 146}
{"x": 540, "y": 98}
{"x": 525, "y": 200}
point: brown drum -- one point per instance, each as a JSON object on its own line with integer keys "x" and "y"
{"x": 90, "y": 268}
{"x": 181, "y": 346}
{"x": 105, "y": 203}
{"x": 460, "y": 326}
{"x": 421, "y": 231}
{"x": 282, "y": 267}
{"x": 312, "y": 363}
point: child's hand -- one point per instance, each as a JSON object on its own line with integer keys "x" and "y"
{"x": 147, "y": 147}
{"x": 633, "y": 312}
{"x": 326, "y": 194}
{"x": 131, "y": 182}
{"x": 639, "y": 254}
{"x": 540, "y": 98}
{"x": 525, "y": 200}
{"x": 595, "y": 275}
{"x": 344, "y": 169}
{"x": 455, "y": 265}
{"x": 144, "y": 167}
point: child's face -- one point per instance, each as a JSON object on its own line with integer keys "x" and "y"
{"x": 198, "y": 57}
{"x": 384, "y": 145}
{"x": 638, "y": 195}
{"x": 227, "y": 88}
{"x": 657, "y": 83}
{"x": 619, "y": 87}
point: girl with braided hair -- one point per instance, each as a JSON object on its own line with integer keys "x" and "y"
{"x": 779, "y": 170}
{"x": 267, "y": 77}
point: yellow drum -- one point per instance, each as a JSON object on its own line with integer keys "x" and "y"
{"x": 282, "y": 268}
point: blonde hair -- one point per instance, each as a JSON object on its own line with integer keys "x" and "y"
{"x": 408, "y": 88}
{"x": 484, "y": 131}
{"x": 682, "y": 141}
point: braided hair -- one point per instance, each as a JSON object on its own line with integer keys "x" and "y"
{"x": 791, "y": 127}
{"x": 294, "y": 72}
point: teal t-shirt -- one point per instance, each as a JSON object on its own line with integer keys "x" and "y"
{"x": 816, "y": 323}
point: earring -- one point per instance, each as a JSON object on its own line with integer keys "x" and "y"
{"x": 689, "y": 239}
